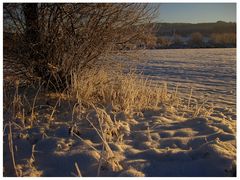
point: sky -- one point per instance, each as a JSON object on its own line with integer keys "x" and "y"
{"x": 197, "y": 12}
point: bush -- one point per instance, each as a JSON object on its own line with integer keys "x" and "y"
{"x": 163, "y": 42}
{"x": 224, "y": 39}
{"x": 70, "y": 37}
{"x": 196, "y": 39}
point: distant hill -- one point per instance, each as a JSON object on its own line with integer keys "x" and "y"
{"x": 185, "y": 29}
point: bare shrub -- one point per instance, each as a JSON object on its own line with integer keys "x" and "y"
{"x": 224, "y": 39}
{"x": 164, "y": 42}
{"x": 177, "y": 39}
{"x": 196, "y": 39}
{"x": 56, "y": 39}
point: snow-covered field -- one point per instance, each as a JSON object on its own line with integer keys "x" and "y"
{"x": 165, "y": 141}
{"x": 210, "y": 72}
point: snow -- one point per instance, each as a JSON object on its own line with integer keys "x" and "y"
{"x": 210, "y": 72}
{"x": 157, "y": 142}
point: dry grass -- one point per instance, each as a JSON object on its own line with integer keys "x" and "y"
{"x": 131, "y": 93}
{"x": 125, "y": 92}
{"x": 105, "y": 93}
{"x": 108, "y": 93}
{"x": 11, "y": 149}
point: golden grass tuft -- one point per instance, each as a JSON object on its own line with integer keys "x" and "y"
{"x": 128, "y": 92}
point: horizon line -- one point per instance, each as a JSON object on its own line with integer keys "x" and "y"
{"x": 196, "y": 22}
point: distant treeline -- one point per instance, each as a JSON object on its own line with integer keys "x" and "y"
{"x": 186, "y": 35}
{"x": 185, "y": 29}
{"x": 177, "y": 35}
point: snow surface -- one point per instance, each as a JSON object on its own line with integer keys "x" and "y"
{"x": 210, "y": 72}
{"x": 156, "y": 142}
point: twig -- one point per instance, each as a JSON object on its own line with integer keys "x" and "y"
{"x": 100, "y": 161}
{"x": 78, "y": 170}
{"x": 34, "y": 101}
{"x": 199, "y": 108}
{"x": 85, "y": 142}
{"x": 54, "y": 108}
{"x": 10, "y": 144}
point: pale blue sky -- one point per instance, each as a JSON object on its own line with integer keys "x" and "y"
{"x": 197, "y": 12}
